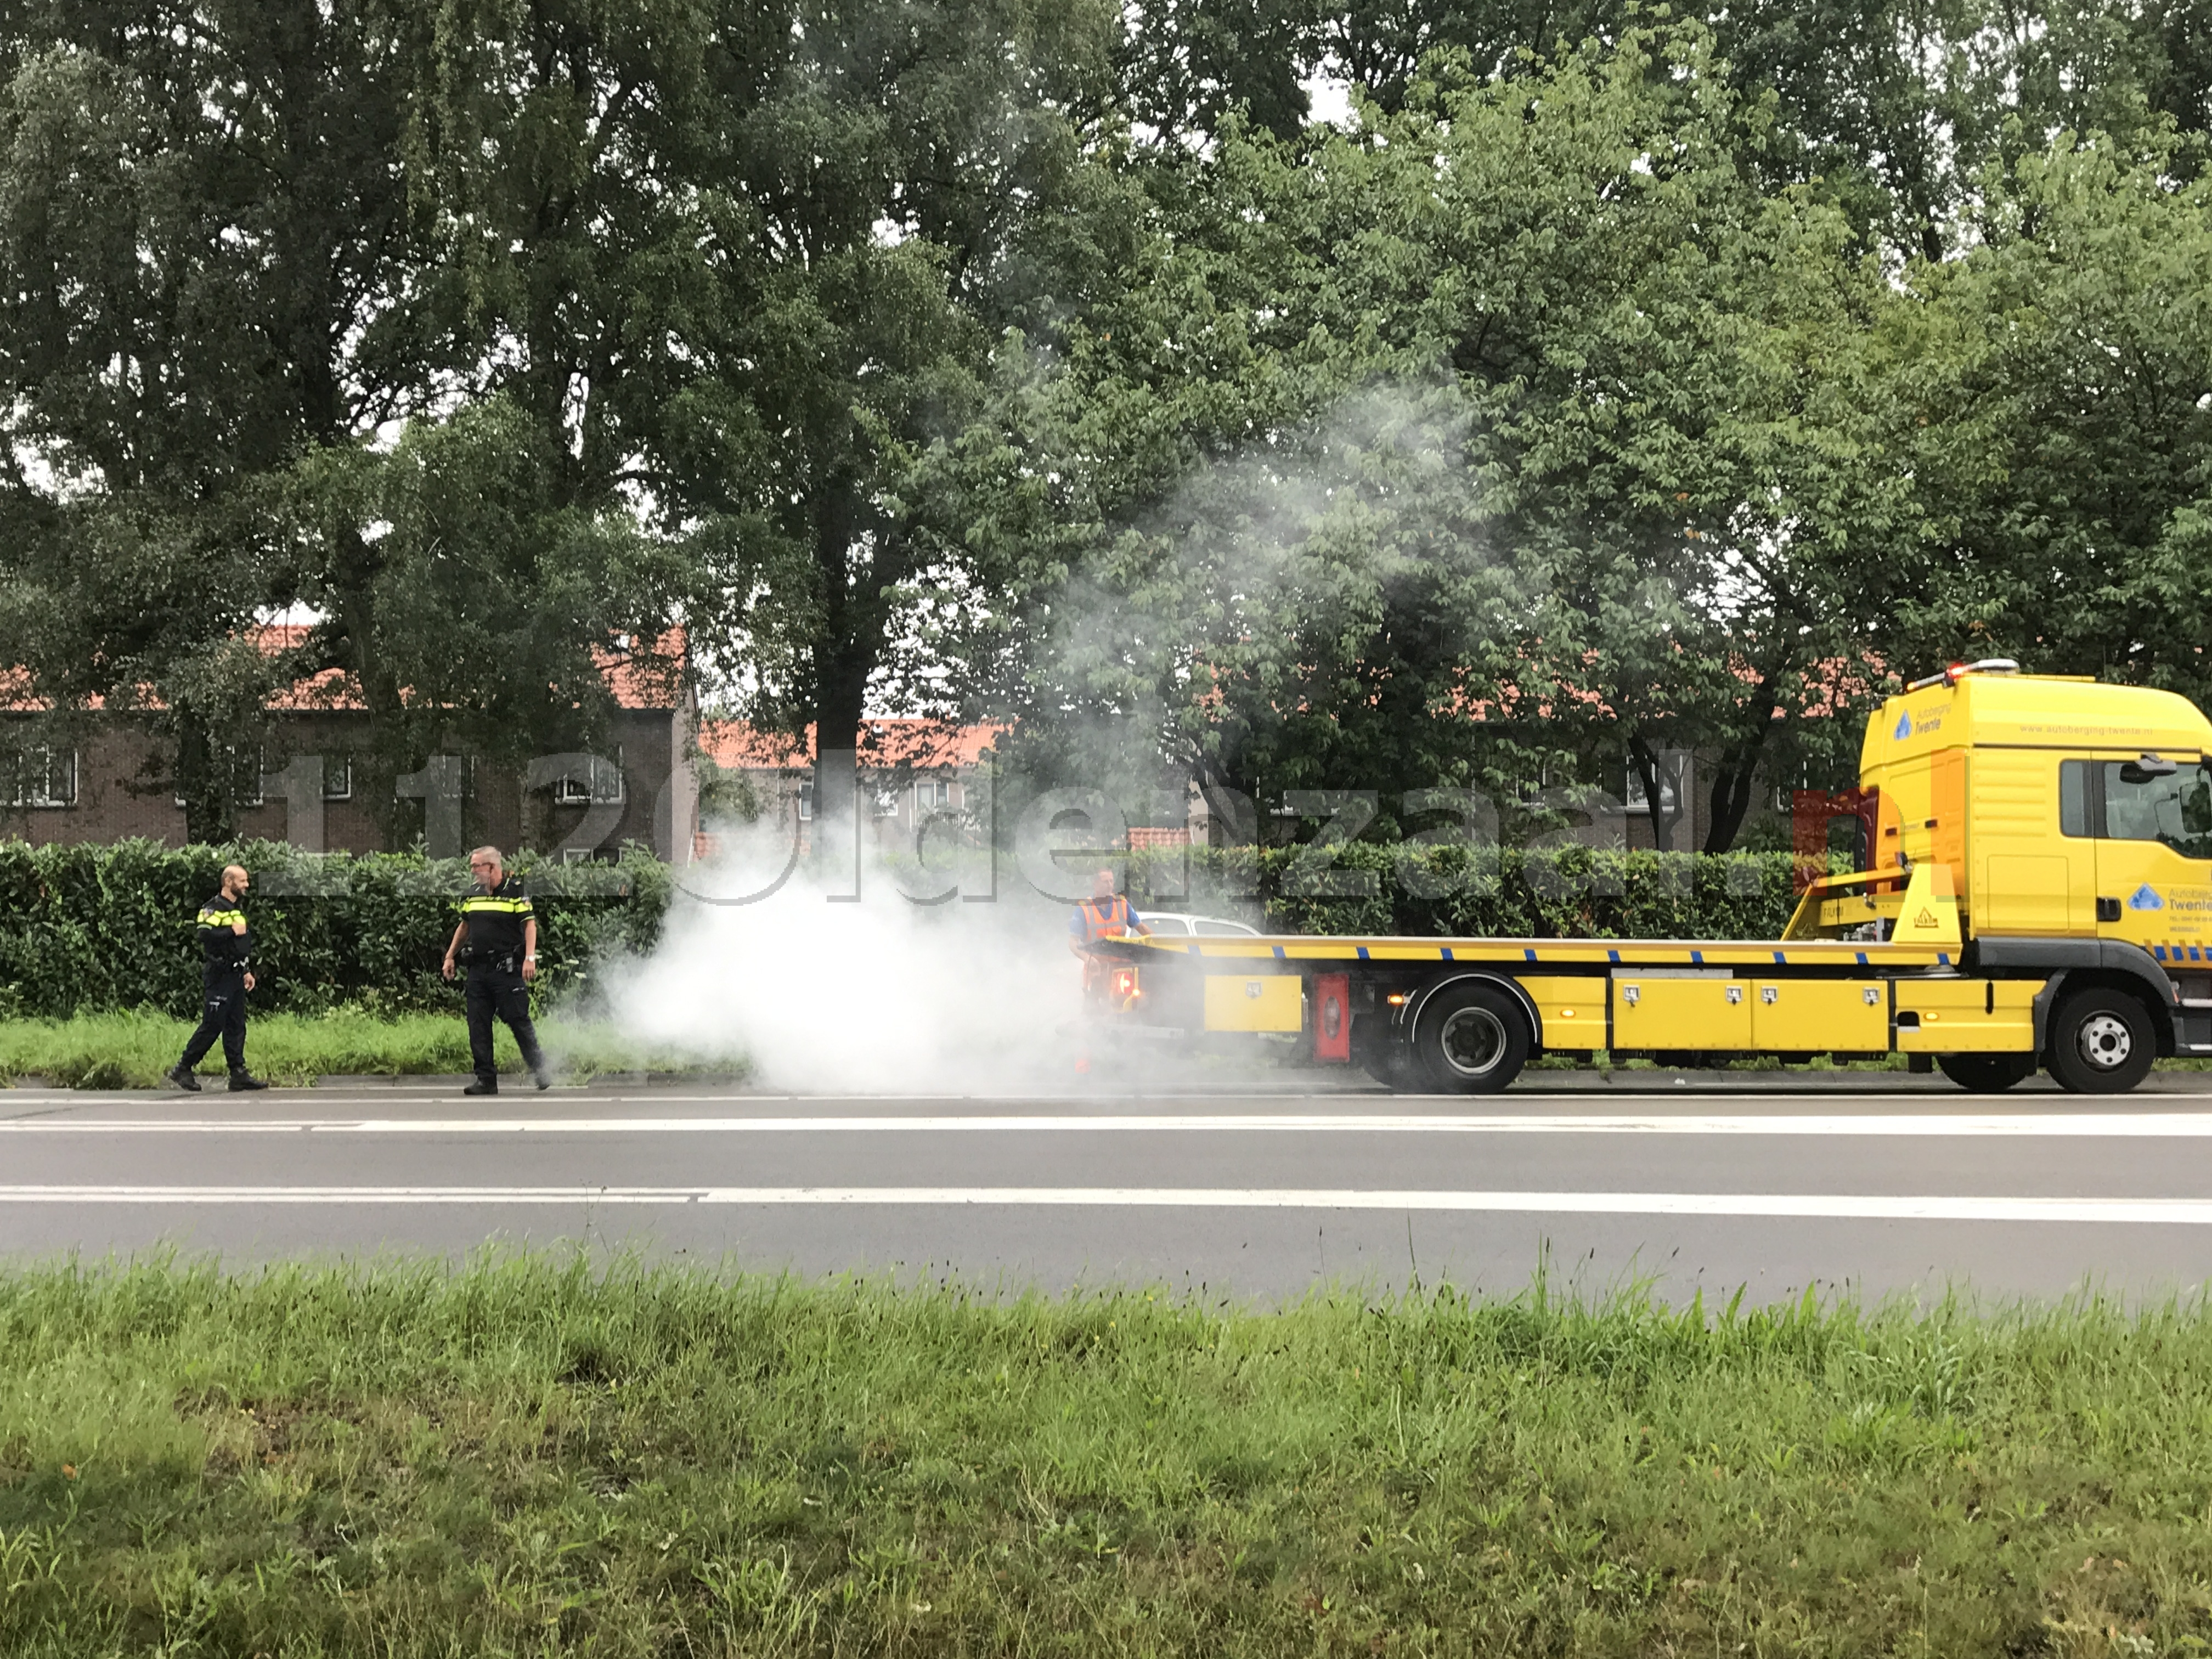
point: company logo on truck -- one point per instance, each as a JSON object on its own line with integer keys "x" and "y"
{"x": 2145, "y": 897}
{"x": 1904, "y": 728}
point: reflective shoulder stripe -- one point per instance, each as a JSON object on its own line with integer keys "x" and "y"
{"x": 496, "y": 906}
{"x": 210, "y": 918}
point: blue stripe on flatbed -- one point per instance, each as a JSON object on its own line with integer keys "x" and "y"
{"x": 1781, "y": 960}
{"x": 1444, "y": 951}
{"x": 1943, "y": 958}
{"x": 1612, "y": 955}
{"x": 1363, "y": 953}
{"x": 1527, "y": 953}
{"x": 1278, "y": 953}
{"x": 1863, "y": 961}
{"x": 1697, "y": 956}
{"x": 1196, "y": 948}
{"x": 2158, "y": 952}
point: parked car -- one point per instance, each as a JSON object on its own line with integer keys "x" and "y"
{"x": 1177, "y": 925}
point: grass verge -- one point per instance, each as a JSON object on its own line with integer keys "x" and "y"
{"x": 131, "y": 1050}
{"x": 525, "y": 1457}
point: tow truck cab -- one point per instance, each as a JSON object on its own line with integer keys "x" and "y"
{"x": 2070, "y": 820}
{"x": 2036, "y": 888}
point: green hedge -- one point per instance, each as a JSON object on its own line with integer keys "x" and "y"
{"x": 1570, "y": 893}
{"x": 96, "y": 928}
{"x": 92, "y": 928}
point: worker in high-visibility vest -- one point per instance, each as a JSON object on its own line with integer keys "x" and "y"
{"x": 1104, "y": 914}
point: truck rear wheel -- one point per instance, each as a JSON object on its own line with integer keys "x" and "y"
{"x": 1471, "y": 1040}
{"x": 1987, "y": 1074}
{"x": 2101, "y": 1043}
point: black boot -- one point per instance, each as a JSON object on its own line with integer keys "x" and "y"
{"x": 181, "y": 1076}
{"x": 481, "y": 1087}
{"x": 240, "y": 1082}
{"x": 544, "y": 1080}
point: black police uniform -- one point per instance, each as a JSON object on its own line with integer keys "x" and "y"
{"x": 493, "y": 951}
{"x": 225, "y": 956}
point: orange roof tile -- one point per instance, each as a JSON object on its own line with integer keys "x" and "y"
{"x": 649, "y": 678}
{"x": 741, "y": 745}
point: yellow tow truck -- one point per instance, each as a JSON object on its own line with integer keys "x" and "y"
{"x": 2037, "y": 890}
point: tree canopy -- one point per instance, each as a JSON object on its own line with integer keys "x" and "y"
{"x": 1613, "y": 382}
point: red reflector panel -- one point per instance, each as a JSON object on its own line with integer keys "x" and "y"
{"x": 1332, "y": 1018}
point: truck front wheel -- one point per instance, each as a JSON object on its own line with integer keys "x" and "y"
{"x": 1987, "y": 1074}
{"x": 2101, "y": 1043}
{"x": 1471, "y": 1040}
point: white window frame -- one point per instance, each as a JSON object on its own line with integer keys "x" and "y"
{"x": 43, "y": 796}
{"x": 344, "y": 764}
{"x": 607, "y": 787}
{"x": 259, "y": 796}
{"x": 807, "y": 801}
{"x": 1631, "y": 789}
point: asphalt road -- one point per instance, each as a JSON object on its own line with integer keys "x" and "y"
{"x": 1877, "y": 1184}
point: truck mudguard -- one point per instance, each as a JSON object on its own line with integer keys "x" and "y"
{"x": 2108, "y": 955}
{"x": 1410, "y": 1015}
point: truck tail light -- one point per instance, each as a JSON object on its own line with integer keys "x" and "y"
{"x": 1332, "y": 1018}
{"x": 1125, "y": 985}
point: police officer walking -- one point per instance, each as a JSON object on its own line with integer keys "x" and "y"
{"x": 226, "y": 976}
{"x": 497, "y": 941}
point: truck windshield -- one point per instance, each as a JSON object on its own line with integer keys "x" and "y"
{"x": 2176, "y": 809}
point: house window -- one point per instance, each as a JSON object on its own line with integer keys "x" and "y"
{"x": 1636, "y": 801}
{"x": 38, "y": 777}
{"x": 887, "y": 801}
{"x": 932, "y": 792}
{"x": 252, "y": 771}
{"x": 337, "y": 777}
{"x": 603, "y": 786}
{"x": 805, "y": 801}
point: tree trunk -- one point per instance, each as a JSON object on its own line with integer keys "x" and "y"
{"x": 1646, "y": 760}
{"x": 1736, "y": 777}
{"x": 203, "y": 772}
{"x": 1734, "y": 789}
{"x": 844, "y": 656}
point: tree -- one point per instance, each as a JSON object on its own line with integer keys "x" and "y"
{"x": 1531, "y": 402}
{"x": 2054, "y": 393}
{"x": 911, "y": 181}
{"x": 200, "y": 211}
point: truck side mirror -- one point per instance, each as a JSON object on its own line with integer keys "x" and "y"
{"x": 2143, "y": 770}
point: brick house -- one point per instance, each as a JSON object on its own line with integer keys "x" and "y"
{"x": 102, "y": 775}
{"x": 907, "y": 770}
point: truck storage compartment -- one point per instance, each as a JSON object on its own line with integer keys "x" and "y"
{"x": 1967, "y": 1016}
{"x": 1260, "y": 1002}
{"x": 1680, "y": 1009}
{"x": 1814, "y": 1016}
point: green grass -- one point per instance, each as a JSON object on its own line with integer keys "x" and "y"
{"x": 131, "y": 1050}
{"x": 530, "y": 1458}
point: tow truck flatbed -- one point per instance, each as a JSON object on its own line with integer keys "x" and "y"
{"x": 2037, "y": 891}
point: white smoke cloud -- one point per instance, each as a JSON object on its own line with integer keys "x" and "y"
{"x": 820, "y": 995}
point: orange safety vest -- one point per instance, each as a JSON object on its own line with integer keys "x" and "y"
{"x": 1100, "y": 918}
{"x": 1104, "y": 916}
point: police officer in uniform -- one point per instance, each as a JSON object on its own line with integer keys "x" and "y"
{"x": 226, "y": 976}
{"x": 497, "y": 941}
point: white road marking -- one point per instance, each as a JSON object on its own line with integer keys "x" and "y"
{"x": 1807, "y": 1205}
{"x": 2027, "y": 1125}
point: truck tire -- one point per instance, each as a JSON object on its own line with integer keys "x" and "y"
{"x": 1987, "y": 1074}
{"x": 2101, "y": 1043}
{"x": 1392, "y": 1066}
{"x": 1471, "y": 1040}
